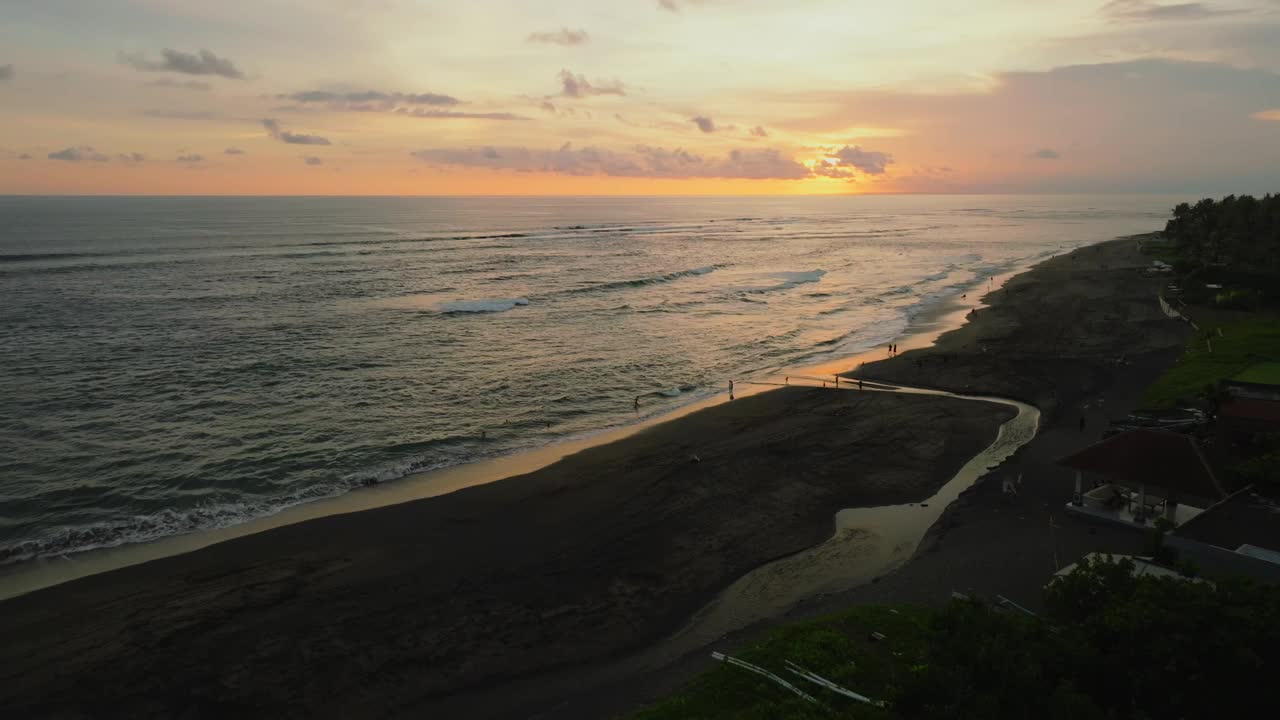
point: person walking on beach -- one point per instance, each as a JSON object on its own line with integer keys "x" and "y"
{"x": 730, "y": 389}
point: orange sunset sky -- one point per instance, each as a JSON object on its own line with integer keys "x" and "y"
{"x": 637, "y": 96}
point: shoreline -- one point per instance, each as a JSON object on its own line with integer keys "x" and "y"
{"x": 585, "y": 561}
{"x": 506, "y": 599}
{"x": 923, "y": 329}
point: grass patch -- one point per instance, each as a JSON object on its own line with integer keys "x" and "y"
{"x": 1261, "y": 374}
{"x": 837, "y": 647}
{"x": 1243, "y": 344}
{"x": 1162, "y": 250}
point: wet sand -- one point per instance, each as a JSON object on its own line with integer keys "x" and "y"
{"x": 396, "y": 609}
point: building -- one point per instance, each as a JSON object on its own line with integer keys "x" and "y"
{"x": 1238, "y": 536}
{"x": 1137, "y": 476}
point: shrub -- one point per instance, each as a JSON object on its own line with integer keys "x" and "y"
{"x": 1242, "y": 299}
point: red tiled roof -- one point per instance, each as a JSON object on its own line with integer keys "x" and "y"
{"x": 1150, "y": 457}
{"x": 1251, "y": 409}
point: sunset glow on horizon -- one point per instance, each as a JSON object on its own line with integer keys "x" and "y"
{"x": 653, "y": 97}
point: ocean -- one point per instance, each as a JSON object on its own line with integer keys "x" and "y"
{"x": 169, "y": 365}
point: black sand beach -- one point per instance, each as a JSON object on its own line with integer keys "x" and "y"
{"x": 378, "y": 612}
{"x": 525, "y": 596}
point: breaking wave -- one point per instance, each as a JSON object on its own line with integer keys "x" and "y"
{"x": 482, "y": 306}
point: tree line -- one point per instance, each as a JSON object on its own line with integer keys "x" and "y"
{"x": 1241, "y": 232}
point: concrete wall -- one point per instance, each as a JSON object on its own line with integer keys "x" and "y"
{"x": 1213, "y": 561}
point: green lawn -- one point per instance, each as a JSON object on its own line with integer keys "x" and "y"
{"x": 1261, "y": 374}
{"x": 838, "y": 647}
{"x": 1243, "y": 344}
{"x": 1157, "y": 248}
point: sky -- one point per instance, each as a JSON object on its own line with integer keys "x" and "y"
{"x": 655, "y": 97}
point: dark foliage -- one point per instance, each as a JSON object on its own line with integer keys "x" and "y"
{"x": 1112, "y": 646}
{"x": 1242, "y": 232}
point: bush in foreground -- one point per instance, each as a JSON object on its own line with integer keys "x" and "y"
{"x": 1109, "y": 646}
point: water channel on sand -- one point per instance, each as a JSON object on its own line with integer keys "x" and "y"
{"x": 868, "y": 542}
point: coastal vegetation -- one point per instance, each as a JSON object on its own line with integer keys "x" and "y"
{"x": 1226, "y": 257}
{"x": 1109, "y": 645}
{"x": 1237, "y": 234}
{"x": 1213, "y": 354}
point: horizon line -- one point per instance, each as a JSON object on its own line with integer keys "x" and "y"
{"x": 620, "y": 195}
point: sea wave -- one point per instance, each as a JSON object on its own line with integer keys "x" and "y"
{"x": 495, "y": 305}
{"x": 161, "y": 524}
{"x": 641, "y": 282}
{"x": 421, "y": 457}
{"x": 789, "y": 280}
{"x": 37, "y": 256}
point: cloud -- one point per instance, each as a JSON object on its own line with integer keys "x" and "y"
{"x": 6, "y": 72}
{"x": 193, "y": 158}
{"x": 131, "y": 158}
{"x": 233, "y": 151}
{"x": 369, "y": 100}
{"x": 563, "y": 36}
{"x": 638, "y": 161}
{"x": 313, "y": 160}
{"x": 1267, "y": 115}
{"x": 183, "y": 114}
{"x": 705, "y": 124}
{"x": 1046, "y": 154}
{"x": 200, "y": 63}
{"x": 676, "y": 6}
{"x": 420, "y": 105}
{"x": 78, "y": 154}
{"x": 24, "y": 156}
{"x": 181, "y": 84}
{"x": 274, "y": 130}
{"x": 843, "y": 162}
{"x": 758, "y": 131}
{"x": 1140, "y": 10}
{"x": 1121, "y": 119}
{"x": 577, "y": 86}
{"x": 870, "y": 162}
{"x": 452, "y": 114}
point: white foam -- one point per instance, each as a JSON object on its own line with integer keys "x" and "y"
{"x": 482, "y": 306}
{"x": 791, "y": 279}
